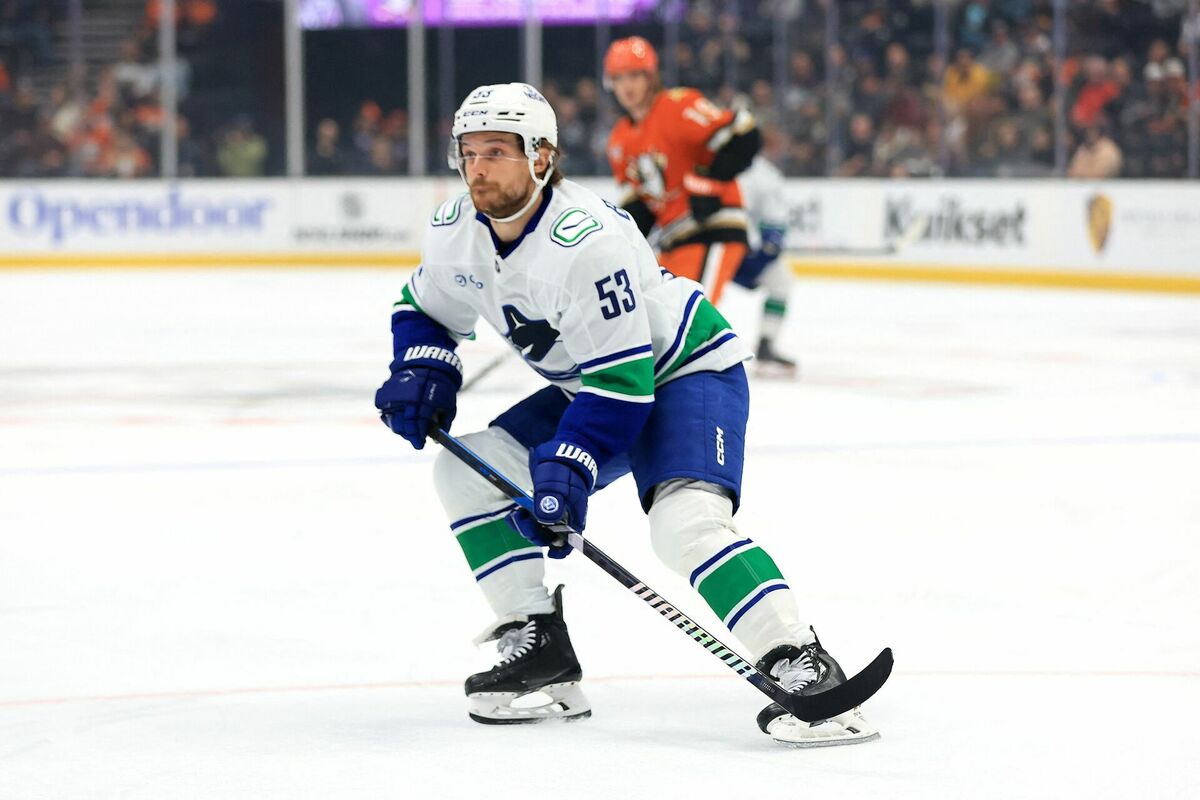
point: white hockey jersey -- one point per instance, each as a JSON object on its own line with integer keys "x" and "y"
{"x": 763, "y": 194}
{"x": 579, "y": 295}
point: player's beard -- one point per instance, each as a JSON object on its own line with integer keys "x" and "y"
{"x": 499, "y": 203}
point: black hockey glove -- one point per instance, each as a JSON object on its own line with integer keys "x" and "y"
{"x": 704, "y": 195}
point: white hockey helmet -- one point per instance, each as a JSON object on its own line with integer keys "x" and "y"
{"x": 510, "y": 108}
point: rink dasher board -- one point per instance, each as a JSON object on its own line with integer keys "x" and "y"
{"x": 1114, "y": 234}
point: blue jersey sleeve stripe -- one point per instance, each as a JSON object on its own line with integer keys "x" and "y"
{"x": 683, "y": 326}
{"x": 710, "y": 348}
{"x": 633, "y": 351}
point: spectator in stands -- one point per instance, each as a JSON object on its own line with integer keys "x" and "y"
{"x": 805, "y": 160}
{"x": 900, "y": 152}
{"x": 24, "y": 111}
{"x": 395, "y": 128}
{"x": 803, "y": 83}
{"x": 135, "y": 79}
{"x": 1097, "y": 91}
{"x": 966, "y": 80}
{"x": 366, "y": 128}
{"x": 1166, "y": 140}
{"x": 1176, "y": 83}
{"x": 25, "y": 30}
{"x": 1031, "y": 113}
{"x": 190, "y": 15}
{"x": 574, "y": 138}
{"x": 869, "y": 97}
{"x": 127, "y": 158}
{"x": 382, "y": 157}
{"x": 1007, "y": 153}
{"x": 588, "y": 96}
{"x": 1035, "y": 42}
{"x": 243, "y": 151}
{"x": 859, "y": 156}
{"x": 973, "y": 24}
{"x": 1158, "y": 53}
{"x": 326, "y": 156}
{"x": 997, "y": 110}
{"x": 1128, "y": 91}
{"x": 89, "y": 148}
{"x": 65, "y": 113}
{"x": 761, "y": 103}
{"x": 1000, "y": 55}
{"x": 192, "y": 159}
{"x": 1097, "y": 156}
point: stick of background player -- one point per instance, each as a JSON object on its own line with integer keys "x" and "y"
{"x": 677, "y": 154}
{"x": 645, "y": 377}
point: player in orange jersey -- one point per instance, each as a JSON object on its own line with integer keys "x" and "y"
{"x": 679, "y": 154}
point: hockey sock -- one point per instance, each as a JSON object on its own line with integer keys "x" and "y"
{"x": 507, "y": 567}
{"x": 692, "y": 531}
{"x": 772, "y": 319}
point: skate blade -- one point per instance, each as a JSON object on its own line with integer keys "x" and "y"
{"x": 565, "y": 702}
{"x": 848, "y": 728}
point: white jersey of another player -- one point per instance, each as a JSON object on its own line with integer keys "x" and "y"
{"x": 766, "y": 205}
{"x": 579, "y": 295}
{"x": 763, "y": 194}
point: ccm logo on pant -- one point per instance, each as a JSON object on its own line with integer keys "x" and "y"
{"x": 720, "y": 447}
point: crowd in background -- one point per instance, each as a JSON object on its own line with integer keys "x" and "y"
{"x": 109, "y": 123}
{"x": 881, "y": 102}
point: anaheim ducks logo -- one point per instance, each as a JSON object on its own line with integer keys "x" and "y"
{"x": 1099, "y": 220}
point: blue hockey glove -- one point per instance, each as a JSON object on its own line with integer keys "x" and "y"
{"x": 564, "y": 475}
{"x": 421, "y": 392}
{"x": 755, "y": 263}
{"x": 524, "y": 523}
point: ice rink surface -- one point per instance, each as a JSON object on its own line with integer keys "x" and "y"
{"x": 221, "y": 577}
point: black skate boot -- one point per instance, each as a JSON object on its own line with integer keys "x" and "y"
{"x": 805, "y": 670}
{"x": 771, "y": 363}
{"x": 535, "y": 657}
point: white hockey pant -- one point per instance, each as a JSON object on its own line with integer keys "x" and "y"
{"x": 691, "y": 530}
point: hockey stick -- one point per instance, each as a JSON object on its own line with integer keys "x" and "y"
{"x": 485, "y": 370}
{"x": 810, "y": 708}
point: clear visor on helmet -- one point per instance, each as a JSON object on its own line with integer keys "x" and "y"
{"x": 487, "y": 153}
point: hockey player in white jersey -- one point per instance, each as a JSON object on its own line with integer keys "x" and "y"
{"x": 763, "y": 267}
{"x": 645, "y": 377}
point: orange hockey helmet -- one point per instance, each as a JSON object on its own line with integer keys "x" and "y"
{"x": 633, "y": 54}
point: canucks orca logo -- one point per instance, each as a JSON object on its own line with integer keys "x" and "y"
{"x": 533, "y": 337}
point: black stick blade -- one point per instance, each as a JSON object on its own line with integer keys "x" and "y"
{"x": 840, "y": 699}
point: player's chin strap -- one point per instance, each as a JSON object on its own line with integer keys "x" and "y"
{"x": 810, "y": 708}
{"x": 539, "y": 184}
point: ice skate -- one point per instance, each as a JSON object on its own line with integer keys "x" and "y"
{"x": 809, "y": 670}
{"x": 772, "y": 364}
{"x": 537, "y": 662}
